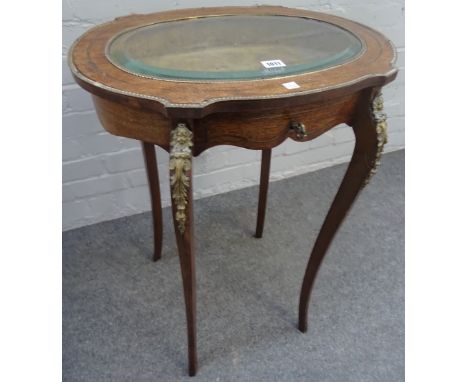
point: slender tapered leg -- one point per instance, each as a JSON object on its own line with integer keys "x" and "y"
{"x": 180, "y": 166}
{"x": 369, "y": 126}
{"x": 151, "y": 165}
{"x": 262, "y": 195}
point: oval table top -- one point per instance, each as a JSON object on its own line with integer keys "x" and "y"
{"x": 233, "y": 47}
{"x": 193, "y": 62}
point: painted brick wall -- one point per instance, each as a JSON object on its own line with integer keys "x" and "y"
{"x": 103, "y": 175}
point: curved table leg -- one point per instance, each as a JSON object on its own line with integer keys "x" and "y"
{"x": 369, "y": 127}
{"x": 180, "y": 166}
{"x": 263, "y": 192}
{"x": 151, "y": 165}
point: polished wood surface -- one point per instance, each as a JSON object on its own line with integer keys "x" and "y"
{"x": 257, "y": 114}
{"x": 151, "y": 165}
{"x": 267, "y": 129}
{"x": 248, "y": 129}
{"x": 130, "y": 122}
{"x": 263, "y": 191}
{"x": 194, "y": 99}
{"x": 358, "y": 170}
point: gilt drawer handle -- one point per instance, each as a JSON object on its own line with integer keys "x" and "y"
{"x": 299, "y": 129}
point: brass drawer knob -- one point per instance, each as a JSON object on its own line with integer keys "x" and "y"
{"x": 299, "y": 129}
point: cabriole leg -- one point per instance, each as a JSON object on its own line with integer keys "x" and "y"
{"x": 180, "y": 166}
{"x": 151, "y": 165}
{"x": 370, "y": 130}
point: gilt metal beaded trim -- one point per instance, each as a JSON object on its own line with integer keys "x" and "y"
{"x": 180, "y": 165}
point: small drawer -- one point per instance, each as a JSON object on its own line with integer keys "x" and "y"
{"x": 269, "y": 128}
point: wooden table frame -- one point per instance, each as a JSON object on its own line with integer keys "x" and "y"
{"x": 186, "y": 118}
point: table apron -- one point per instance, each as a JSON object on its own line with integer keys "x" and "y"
{"x": 252, "y": 130}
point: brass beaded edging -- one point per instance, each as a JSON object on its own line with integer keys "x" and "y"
{"x": 211, "y": 101}
{"x": 180, "y": 164}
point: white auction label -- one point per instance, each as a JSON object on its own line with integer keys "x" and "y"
{"x": 291, "y": 85}
{"x": 273, "y": 64}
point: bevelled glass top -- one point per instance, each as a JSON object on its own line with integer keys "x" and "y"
{"x": 232, "y": 47}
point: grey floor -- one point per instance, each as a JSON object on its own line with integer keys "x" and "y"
{"x": 124, "y": 318}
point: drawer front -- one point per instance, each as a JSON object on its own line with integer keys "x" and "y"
{"x": 269, "y": 128}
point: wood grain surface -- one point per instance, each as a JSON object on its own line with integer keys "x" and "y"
{"x": 254, "y": 114}
{"x": 194, "y": 99}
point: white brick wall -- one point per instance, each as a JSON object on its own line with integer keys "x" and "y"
{"x": 103, "y": 175}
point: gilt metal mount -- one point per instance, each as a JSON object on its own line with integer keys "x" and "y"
{"x": 180, "y": 165}
{"x": 380, "y": 120}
